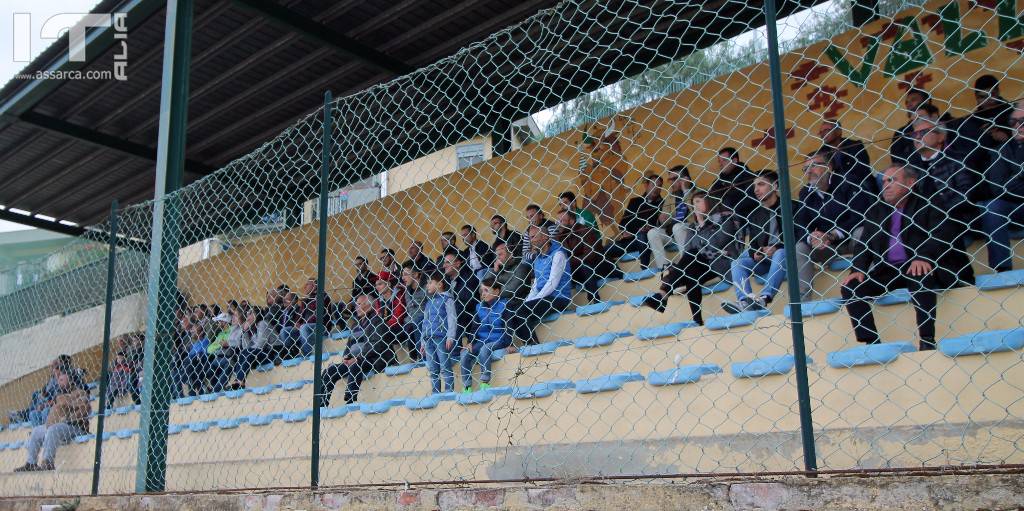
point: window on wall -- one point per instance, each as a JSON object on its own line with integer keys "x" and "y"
{"x": 468, "y": 154}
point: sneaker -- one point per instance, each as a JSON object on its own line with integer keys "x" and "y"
{"x": 738, "y": 307}
{"x": 28, "y": 467}
{"x": 485, "y": 386}
{"x": 757, "y": 305}
{"x": 46, "y": 465}
{"x": 467, "y": 390}
{"x": 656, "y": 302}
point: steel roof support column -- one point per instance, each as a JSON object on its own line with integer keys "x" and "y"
{"x": 163, "y": 297}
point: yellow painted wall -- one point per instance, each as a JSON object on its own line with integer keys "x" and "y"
{"x": 432, "y": 166}
{"x": 688, "y": 127}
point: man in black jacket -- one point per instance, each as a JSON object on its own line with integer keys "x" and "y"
{"x": 828, "y": 222}
{"x": 902, "y": 145}
{"x": 418, "y": 261}
{"x": 463, "y": 286}
{"x": 764, "y": 254}
{"x": 1006, "y": 178}
{"x": 369, "y": 350}
{"x": 847, "y": 157}
{"x": 512, "y": 240}
{"x": 733, "y": 189}
{"x": 641, "y": 215}
{"x": 958, "y": 185}
{"x": 978, "y": 135}
{"x": 477, "y": 255}
{"x": 911, "y": 243}
{"x": 364, "y": 281}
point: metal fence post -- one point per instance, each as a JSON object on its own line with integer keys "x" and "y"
{"x": 789, "y": 240}
{"x": 321, "y": 270}
{"x": 105, "y": 360}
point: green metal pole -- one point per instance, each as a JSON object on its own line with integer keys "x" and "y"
{"x": 105, "y": 361}
{"x": 789, "y": 241}
{"x": 321, "y": 271}
{"x": 162, "y": 292}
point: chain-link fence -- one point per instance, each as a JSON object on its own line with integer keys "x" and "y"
{"x": 670, "y": 290}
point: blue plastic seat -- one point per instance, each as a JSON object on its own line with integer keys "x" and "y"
{"x": 599, "y": 340}
{"x": 597, "y": 308}
{"x": 294, "y": 385}
{"x": 198, "y": 427}
{"x": 552, "y": 317}
{"x": 606, "y": 383}
{"x": 235, "y": 394}
{"x": 266, "y": 389}
{"x": 447, "y": 396}
{"x": 682, "y": 374}
{"x": 629, "y": 256}
{"x": 276, "y": 415}
{"x": 502, "y": 390}
{"x": 543, "y": 348}
{"x": 333, "y": 413}
{"x": 637, "y": 276}
{"x": 869, "y": 354}
{"x": 669, "y": 330}
{"x": 402, "y": 369}
{"x": 895, "y": 297}
{"x": 174, "y": 429}
{"x": 297, "y": 416}
{"x": 261, "y": 420}
{"x": 125, "y": 433}
{"x": 840, "y": 264}
{"x": 816, "y": 308}
{"x": 124, "y": 410}
{"x": 543, "y": 389}
{"x": 265, "y": 368}
{"x": 718, "y": 287}
{"x": 206, "y": 398}
{"x": 777, "y": 364}
{"x": 292, "y": 362}
{"x": 1000, "y": 280}
{"x": 184, "y": 401}
{"x": 374, "y": 408}
{"x": 228, "y": 423}
{"x": 638, "y": 301}
{"x": 734, "y": 320}
{"x": 423, "y": 403}
{"x": 982, "y": 343}
{"x": 474, "y": 398}
{"x": 341, "y": 335}
{"x": 16, "y": 445}
{"x": 79, "y": 439}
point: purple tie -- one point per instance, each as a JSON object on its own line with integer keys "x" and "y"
{"x": 897, "y": 253}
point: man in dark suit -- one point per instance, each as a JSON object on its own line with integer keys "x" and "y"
{"x": 909, "y": 242}
{"x": 477, "y": 254}
{"x": 846, "y": 156}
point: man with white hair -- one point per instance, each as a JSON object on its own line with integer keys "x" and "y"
{"x": 1006, "y": 178}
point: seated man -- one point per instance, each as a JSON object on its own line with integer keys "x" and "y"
{"x": 418, "y": 261}
{"x": 512, "y": 240}
{"x": 488, "y": 335}
{"x": 1006, "y": 178}
{"x": 307, "y": 316}
{"x": 640, "y": 216}
{"x": 552, "y": 285}
{"x": 363, "y": 282}
{"x": 446, "y": 244}
{"x": 764, "y": 254}
{"x": 902, "y": 145}
{"x": 390, "y": 306}
{"x": 733, "y": 188}
{"x": 672, "y": 227}
{"x": 535, "y": 216}
{"x": 828, "y": 222}
{"x": 568, "y": 201}
{"x": 911, "y": 245}
{"x": 68, "y": 418}
{"x": 586, "y": 258}
{"x": 958, "y": 185}
{"x": 477, "y": 254}
{"x": 368, "y": 350}
{"x": 510, "y": 275}
{"x": 462, "y": 286}
{"x": 846, "y": 157}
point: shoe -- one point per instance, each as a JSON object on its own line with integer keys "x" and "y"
{"x": 46, "y": 465}
{"x": 484, "y": 386}
{"x": 467, "y": 390}
{"x": 736, "y": 308}
{"x": 757, "y": 305}
{"x": 927, "y": 345}
{"x": 28, "y": 467}
{"x": 655, "y": 302}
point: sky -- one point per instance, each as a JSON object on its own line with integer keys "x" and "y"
{"x": 40, "y": 11}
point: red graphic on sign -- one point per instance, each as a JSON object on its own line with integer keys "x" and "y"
{"x": 805, "y": 72}
{"x": 767, "y": 138}
{"x": 933, "y": 20}
{"x": 827, "y": 97}
{"x": 988, "y": 4}
{"x": 916, "y": 79}
{"x": 888, "y": 31}
{"x": 1017, "y": 45}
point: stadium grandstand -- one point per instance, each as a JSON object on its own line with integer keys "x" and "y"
{"x": 415, "y": 244}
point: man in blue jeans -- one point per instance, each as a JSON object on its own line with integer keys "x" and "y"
{"x": 489, "y": 335}
{"x": 764, "y": 254}
{"x": 1006, "y": 177}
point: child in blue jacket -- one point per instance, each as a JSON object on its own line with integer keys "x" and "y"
{"x": 489, "y": 335}
{"x": 438, "y": 333}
